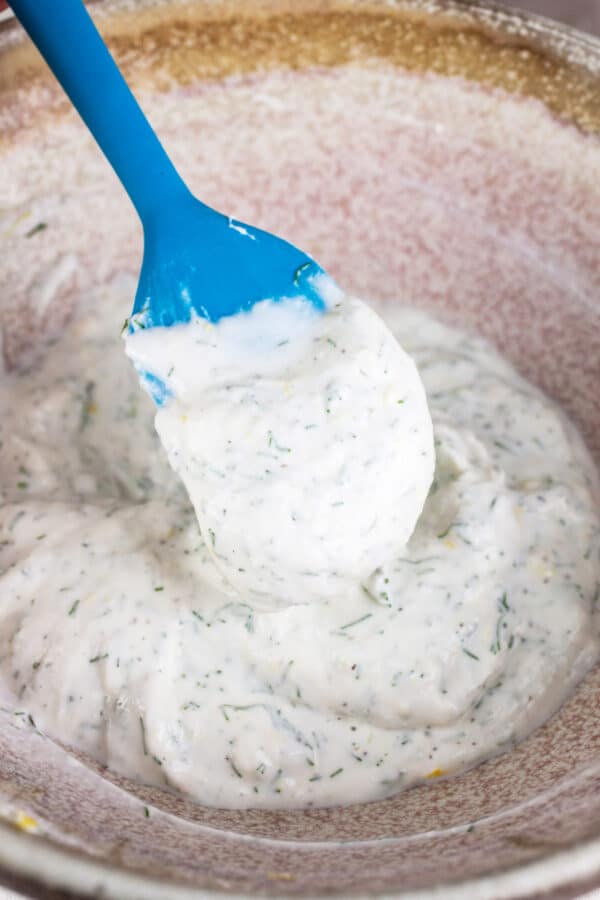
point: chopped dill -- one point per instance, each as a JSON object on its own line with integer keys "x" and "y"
{"x": 356, "y": 622}
{"x": 143, "y": 731}
{"x": 41, "y": 226}
{"x": 234, "y": 767}
{"x": 503, "y": 608}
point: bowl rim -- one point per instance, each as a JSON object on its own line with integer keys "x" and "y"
{"x": 43, "y": 867}
{"x": 27, "y": 856}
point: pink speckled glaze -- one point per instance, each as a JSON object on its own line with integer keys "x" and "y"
{"x": 474, "y": 204}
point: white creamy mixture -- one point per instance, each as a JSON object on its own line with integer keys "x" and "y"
{"x": 118, "y": 637}
{"x": 303, "y": 438}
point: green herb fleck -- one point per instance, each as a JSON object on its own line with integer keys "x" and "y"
{"x": 468, "y": 653}
{"x": 41, "y": 226}
{"x": 97, "y": 658}
{"x": 273, "y": 443}
{"x": 503, "y": 608}
{"x": 336, "y": 773}
{"x": 73, "y": 608}
{"x": 356, "y": 621}
{"x": 16, "y": 519}
{"x": 234, "y": 767}
{"x": 225, "y": 706}
{"x": 143, "y": 730}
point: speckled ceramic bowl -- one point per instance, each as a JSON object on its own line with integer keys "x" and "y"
{"x": 442, "y": 152}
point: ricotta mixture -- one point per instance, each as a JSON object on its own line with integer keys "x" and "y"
{"x": 303, "y": 438}
{"x": 119, "y": 631}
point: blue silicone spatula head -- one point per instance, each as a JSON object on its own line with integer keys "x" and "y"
{"x": 196, "y": 260}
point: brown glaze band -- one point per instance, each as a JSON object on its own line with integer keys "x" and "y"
{"x": 200, "y": 42}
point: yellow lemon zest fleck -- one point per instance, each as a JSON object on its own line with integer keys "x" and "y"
{"x": 18, "y": 221}
{"x": 518, "y": 512}
{"x": 540, "y": 567}
{"x": 281, "y": 876}
{"x": 25, "y": 822}
{"x": 450, "y": 543}
{"x": 184, "y": 419}
{"x": 435, "y": 773}
{"x": 91, "y": 409}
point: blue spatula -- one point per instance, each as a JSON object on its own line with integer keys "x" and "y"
{"x": 196, "y": 260}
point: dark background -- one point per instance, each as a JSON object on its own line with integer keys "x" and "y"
{"x": 584, "y": 14}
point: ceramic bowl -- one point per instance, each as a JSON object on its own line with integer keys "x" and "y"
{"x": 441, "y": 153}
